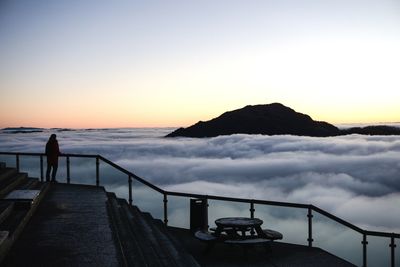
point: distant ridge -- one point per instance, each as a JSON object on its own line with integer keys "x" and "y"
{"x": 270, "y": 119}
{"x": 372, "y": 130}
{"x": 273, "y": 119}
{"x": 22, "y": 130}
{"x": 15, "y": 130}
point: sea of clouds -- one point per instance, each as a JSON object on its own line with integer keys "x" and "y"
{"x": 354, "y": 177}
{"x": 349, "y": 176}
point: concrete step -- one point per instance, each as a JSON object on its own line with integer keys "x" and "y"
{"x": 5, "y": 210}
{"x": 182, "y": 257}
{"x": 153, "y": 255}
{"x": 6, "y": 173}
{"x": 16, "y": 219}
{"x": 12, "y": 182}
{"x": 148, "y": 217}
{"x": 3, "y": 237}
{"x": 30, "y": 183}
{"x": 130, "y": 250}
{"x": 13, "y": 221}
{"x": 156, "y": 244}
{"x": 171, "y": 247}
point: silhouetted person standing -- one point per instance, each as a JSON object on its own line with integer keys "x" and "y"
{"x": 52, "y": 153}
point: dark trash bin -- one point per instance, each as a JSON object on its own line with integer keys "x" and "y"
{"x": 198, "y": 215}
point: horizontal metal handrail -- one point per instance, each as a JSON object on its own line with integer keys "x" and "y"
{"x": 337, "y": 219}
{"x": 221, "y": 198}
{"x": 134, "y": 176}
{"x": 43, "y": 154}
{"x": 381, "y": 234}
{"x": 91, "y": 156}
{"x": 242, "y": 200}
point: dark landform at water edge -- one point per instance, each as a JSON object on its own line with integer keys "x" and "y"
{"x": 16, "y": 130}
{"x": 372, "y": 130}
{"x": 22, "y": 130}
{"x": 273, "y": 119}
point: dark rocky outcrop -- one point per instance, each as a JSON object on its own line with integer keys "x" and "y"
{"x": 372, "y": 130}
{"x": 271, "y": 119}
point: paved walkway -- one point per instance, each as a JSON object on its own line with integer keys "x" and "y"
{"x": 70, "y": 228}
{"x": 279, "y": 254}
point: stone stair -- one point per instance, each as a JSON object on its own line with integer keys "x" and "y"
{"x": 143, "y": 240}
{"x": 15, "y": 207}
{"x": 10, "y": 179}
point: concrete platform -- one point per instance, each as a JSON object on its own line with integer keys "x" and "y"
{"x": 70, "y": 228}
{"x": 278, "y": 254}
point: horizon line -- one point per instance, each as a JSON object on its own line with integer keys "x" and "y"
{"x": 165, "y": 127}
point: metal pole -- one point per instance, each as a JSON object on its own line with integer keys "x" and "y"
{"x": 365, "y": 243}
{"x": 252, "y": 210}
{"x": 310, "y": 235}
{"x": 41, "y": 168}
{"x": 206, "y": 199}
{"x": 252, "y": 232}
{"x": 68, "y": 173}
{"x": 17, "y": 161}
{"x": 165, "y": 209}
{"x": 392, "y": 250}
{"x": 130, "y": 189}
{"x": 97, "y": 172}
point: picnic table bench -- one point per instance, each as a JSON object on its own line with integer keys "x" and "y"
{"x": 270, "y": 235}
{"x": 233, "y": 230}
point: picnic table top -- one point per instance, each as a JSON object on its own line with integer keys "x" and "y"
{"x": 238, "y": 222}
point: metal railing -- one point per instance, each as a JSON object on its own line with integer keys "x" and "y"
{"x": 311, "y": 209}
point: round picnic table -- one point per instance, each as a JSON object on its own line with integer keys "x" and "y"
{"x": 239, "y": 222}
{"x": 231, "y": 225}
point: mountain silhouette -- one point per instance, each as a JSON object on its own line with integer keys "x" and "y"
{"x": 270, "y": 119}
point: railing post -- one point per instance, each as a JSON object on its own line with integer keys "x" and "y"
{"x": 392, "y": 250}
{"x": 165, "y": 209}
{"x": 252, "y": 209}
{"x": 17, "y": 161}
{"x": 68, "y": 172}
{"x": 41, "y": 168}
{"x": 130, "y": 189}
{"x": 252, "y": 232}
{"x": 97, "y": 171}
{"x": 207, "y": 205}
{"x": 310, "y": 235}
{"x": 364, "y": 243}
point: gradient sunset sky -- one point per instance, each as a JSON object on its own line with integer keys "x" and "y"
{"x": 133, "y": 63}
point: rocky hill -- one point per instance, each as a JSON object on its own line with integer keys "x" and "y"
{"x": 270, "y": 119}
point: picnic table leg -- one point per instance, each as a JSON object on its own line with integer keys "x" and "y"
{"x": 252, "y": 232}
{"x": 211, "y": 244}
{"x": 243, "y": 233}
{"x": 218, "y": 231}
{"x": 259, "y": 231}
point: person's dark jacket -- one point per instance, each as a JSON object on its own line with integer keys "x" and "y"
{"x": 52, "y": 151}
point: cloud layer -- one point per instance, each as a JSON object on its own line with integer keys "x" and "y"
{"x": 349, "y": 176}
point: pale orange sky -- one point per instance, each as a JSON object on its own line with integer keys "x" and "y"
{"x": 139, "y": 65}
